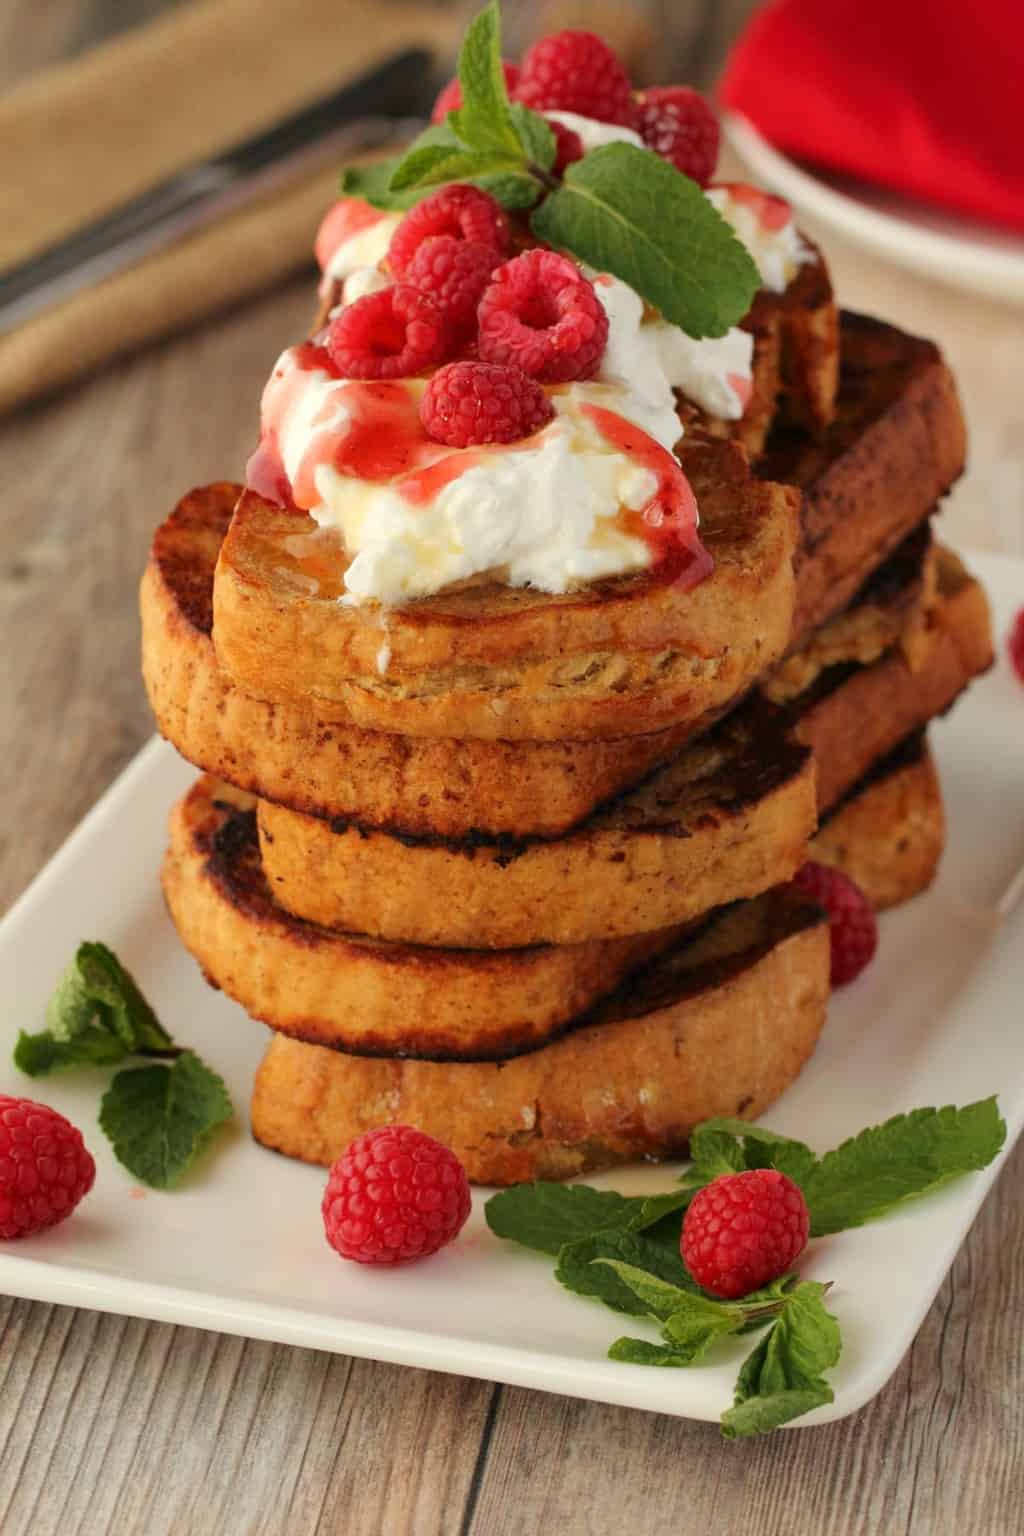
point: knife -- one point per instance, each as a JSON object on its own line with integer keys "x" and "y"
{"x": 377, "y": 108}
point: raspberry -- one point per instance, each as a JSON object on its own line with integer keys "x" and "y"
{"x": 576, "y": 72}
{"x": 569, "y": 145}
{"x": 743, "y": 1230}
{"x": 541, "y": 314}
{"x": 454, "y": 273}
{"x": 469, "y": 403}
{"x": 388, "y": 335}
{"x": 677, "y": 123}
{"x": 852, "y": 923}
{"x": 1016, "y": 644}
{"x": 395, "y": 1195}
{"x": 450, "y": 99}
{"x": 458, "y": 210}
{"x": 45, "y": 1167}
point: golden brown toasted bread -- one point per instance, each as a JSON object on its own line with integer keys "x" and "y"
{"x": 363, "y": 994}
{"x": 720, "y": 1025}
{"x": 852, "y": 716}
{"x": 897, "y": 444}
{"x": 889, "y": 831}
{"x": 728, "y": 817}
{"x": 616, "y": 658}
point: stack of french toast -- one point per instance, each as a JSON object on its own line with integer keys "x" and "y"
{"x": 513, "y": 866}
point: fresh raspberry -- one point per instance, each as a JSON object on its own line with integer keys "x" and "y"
{"x": 454, "y": 273}
{"x": 851, "y": 918}
{"x": 542, "y": 315}
{"x": 677, "y": 123}
{"x": 469, "y": 403}
{"x": 458, "y": 210}
{"x": 1016, "y": 644}
{"x": 569, "y": 145}
{"x": 576, "y": 72}
{"x": 342, "y": 220}
{"x": 45, "y": 1167}
{"x": 388, "y": 335}
{"x": 395, "y": 1195}
{"x": 450, "y": 99}
{"x": 743, "y": 1230}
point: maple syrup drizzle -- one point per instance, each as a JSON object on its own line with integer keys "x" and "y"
{"x": 668, "y": 523}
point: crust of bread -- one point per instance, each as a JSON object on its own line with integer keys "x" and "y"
{"x": 613, "y": 659}
{"x": 365, "y": 995}
{"x": 889, "y": 832}
{"x": 851, "y": 717}
{"x": 728, "y": 817}
{"x": 720, "y": 1026}
{"x": 897, "y": 444}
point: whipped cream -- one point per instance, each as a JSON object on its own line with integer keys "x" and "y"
{"x": 767, "y": 228}
{"x": 359, "y": 253}
{"x": 594, "y": 135}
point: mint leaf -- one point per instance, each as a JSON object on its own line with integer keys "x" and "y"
{"x": 578, "y": 1271}
{"x": 372, "y": 182}
{"x": 905, "y": 1157}
{"x": 158, "y": 1118}
{"x": 628, "y": 212}
{"x": 432, "y": 165}
{"x": 691, "y": 1322}
{"x": 654, "y": 1209}
{"x": 534, "y": 134}
{"x": 644, "y": 1352}
{"x": 483, "y": 121}
{"x": 728, "y": 1146}
{"x": 660, "y": 1297}
{"x": 97, "y": 992}
{"x": 783, "y": 1376}
{"x": 546, "y": 1216}
{"x": 94, "y": 1046}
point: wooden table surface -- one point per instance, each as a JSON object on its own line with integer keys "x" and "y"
{"x": 109, "y": 1424}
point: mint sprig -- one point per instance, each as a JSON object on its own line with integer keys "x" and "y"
{"x": 620, "y": 209}
{"x": 624, "y": 1250}
{"x": 157, "y": 1118}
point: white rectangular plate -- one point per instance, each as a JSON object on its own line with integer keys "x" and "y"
{"x": 936, "y": 1019}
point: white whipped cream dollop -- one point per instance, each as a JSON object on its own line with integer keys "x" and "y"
{"x": 360, "y": 256}
{"x": 594, "y": 135}
{"x": 767, "y": 228}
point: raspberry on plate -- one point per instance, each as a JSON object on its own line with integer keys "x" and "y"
{"x": 467, "y": 403}
{"x": 392, "y": 334}
{"x": 677, "y": 123}
{"x": 458, "y": 210}
{"x": 395, "y": 1195}
{"x": 576, "y": 72}
{"x": 1016, "y": 644}
{"x": 450, "y": 99}
{"x": 744, "y": 1230}
{"x": 852, "y": 922}
{"x": 454, "y": 273}
{"x": 45, "y": 1167}
{"x": 542, "y": 315}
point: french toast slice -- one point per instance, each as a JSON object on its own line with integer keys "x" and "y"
{"x": 362, "y": 994}
{"x": 729, "y": 816}
{"x": 896, "y": 446}
{"x": 888, "y": 833}
{"x": 719, "y": 1025}
{"x": 852, "y": 716}
{"x": 615, "y": 658}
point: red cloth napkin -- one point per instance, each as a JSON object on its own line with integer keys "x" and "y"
{"x": 926, "y": 96}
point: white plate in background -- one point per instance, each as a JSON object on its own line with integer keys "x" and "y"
{"x": 932, "y": 242}
{"x": 239, "y": 1248}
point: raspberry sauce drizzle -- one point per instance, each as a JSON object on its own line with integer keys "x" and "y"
{"x": 668, "y": 522}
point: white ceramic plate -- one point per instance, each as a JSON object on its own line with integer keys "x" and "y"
{"x": 240, "y": 1249}
{"x": 932, "y": 242}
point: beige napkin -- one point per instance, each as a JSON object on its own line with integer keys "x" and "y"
{"x": 80, "y": 139}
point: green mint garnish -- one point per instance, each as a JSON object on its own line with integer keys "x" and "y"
{"x": 157, "y": 1118}
{"x": 784, "y": 1376}
{"x": 624, "y": 1250}
{"x": 626, "y": 211}
{"x": 620, "y": 209}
